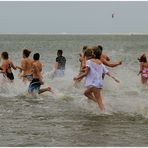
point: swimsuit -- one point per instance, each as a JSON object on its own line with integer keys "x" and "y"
{"x": 9, "y": 74}
{"x": 34, "y": 86}
{"x": 145, "y": 72}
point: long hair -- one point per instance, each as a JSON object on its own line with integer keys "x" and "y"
{"x": 142, "y": 58}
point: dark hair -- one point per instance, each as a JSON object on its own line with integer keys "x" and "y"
{"x": 60, "y": 51}
{"x": 100, "y": 47}
{"x": 84, "y": 49}
{"x": 36, "y": 56}
{"x": 97, "y": 52}
{"x": 5, "y": 55}
{"x": 143, "y": 58}
{"x": 88, "y": 52}
{"x": 26, "y": 52}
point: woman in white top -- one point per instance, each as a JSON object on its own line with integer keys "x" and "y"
{"x": 94, "y": 82}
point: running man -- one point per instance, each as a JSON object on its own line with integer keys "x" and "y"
{"x": 37, "y": 81}
{"x": 26, "y": 66}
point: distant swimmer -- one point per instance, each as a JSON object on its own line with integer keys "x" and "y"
{"x": 6, "y": 67}
{"x": 37, "y": 80}
{"x": 60, "y": 64}
{"x": 94, "y": 81}
{"x": 143, "y": 69}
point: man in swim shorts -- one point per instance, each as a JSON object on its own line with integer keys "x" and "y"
{"x": 37, "y": 81}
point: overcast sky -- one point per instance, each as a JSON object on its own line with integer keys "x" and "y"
{"x": 73, "y": 17}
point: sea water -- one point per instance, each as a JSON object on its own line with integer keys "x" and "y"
{"x": 67, "y": 117}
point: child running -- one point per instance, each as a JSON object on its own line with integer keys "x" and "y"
{"x": 6, "y": 67}
{"x": 94, "y": 81}
{"x": 143, "y": 69}
{"x": 37, "y": 77}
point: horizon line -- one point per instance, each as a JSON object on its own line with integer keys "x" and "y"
{"x": 64, "y": 33}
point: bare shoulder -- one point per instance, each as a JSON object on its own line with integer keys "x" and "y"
{"x": 145, "y": 64}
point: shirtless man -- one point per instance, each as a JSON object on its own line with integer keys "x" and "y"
{"x": 37, "y": 77}
{"x": 26, "y": 66}
{"x": 6, "y": 66}
{"x": 106, "y": 60}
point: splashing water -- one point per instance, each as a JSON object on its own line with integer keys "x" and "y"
{"x": 67, "y": 117}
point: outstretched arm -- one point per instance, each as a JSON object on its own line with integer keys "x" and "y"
{"x": 111, "y": 64}
{"x": 14, "y": 67}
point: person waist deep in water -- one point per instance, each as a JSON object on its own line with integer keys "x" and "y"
{"x": 60, "y": 64}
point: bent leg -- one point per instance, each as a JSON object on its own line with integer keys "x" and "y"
{"x": 45, "y": 89}
{"x": 89, "y": 95}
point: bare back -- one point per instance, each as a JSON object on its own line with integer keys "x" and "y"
{"x": 145, "y": 65}
{"x": 26, "y": 65}
{"x": 6, "y": 66}
{"x": 37, "y": 69}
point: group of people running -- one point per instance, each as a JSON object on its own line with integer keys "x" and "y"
{"x": 93, "y": 62}
{"x": 93, "y": 66}
{"x": 31, "y": 70}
